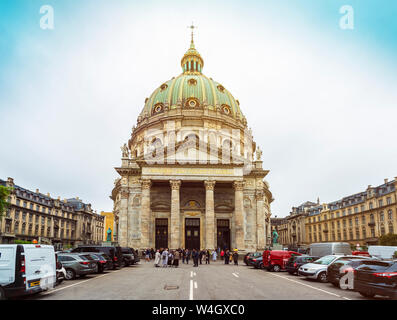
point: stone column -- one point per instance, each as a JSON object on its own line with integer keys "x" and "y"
{"x": 123, "y": 231}
{"x": 209, "y": 215}
{"x": 260, "y": 221}
{"x": 239, "y": 213}
{"x": 145, "y": 214}
{"x": 175, "y": 214}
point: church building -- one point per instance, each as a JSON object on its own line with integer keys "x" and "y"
{"x": 191, "y": 175}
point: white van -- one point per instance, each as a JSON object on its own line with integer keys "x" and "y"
{"x": 382, "y": 252}
{"x": 328, "y": 248}
{"x": 26, "y": 269}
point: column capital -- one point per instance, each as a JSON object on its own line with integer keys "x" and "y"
{"x": 259, "y": 195}
{"x": 146, "y": 184}
{"x": 175, "y": 184}
{"x": 209, "y": 184}
{"x": 238, "y": 185}
{"x": 124, "y": 193}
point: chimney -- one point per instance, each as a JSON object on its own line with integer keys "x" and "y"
{"x": 37, "y": 190}
{"x": 10, "y": 181}
{"x": 386, "y": 180}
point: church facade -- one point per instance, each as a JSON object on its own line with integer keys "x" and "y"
{"x": 191, "y": 175}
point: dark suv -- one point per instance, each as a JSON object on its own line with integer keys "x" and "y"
{"x": 128, "y": 256}
{"x": 113, "y": 252}
{"x": 376, "y": 277}
{"x": 295, "y": 262}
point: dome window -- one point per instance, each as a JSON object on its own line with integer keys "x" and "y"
{"x": 191, "y": 103}
{"x": 226, "y": 109}
{"x": 163, "y": 87}
{"x": 158, "y": 108}
{"x": 192, "y": 82}
{"x": 221, "y": 88}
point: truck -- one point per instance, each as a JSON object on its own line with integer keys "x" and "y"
{"x": 328, "y": 248}
{"x": 382, "y": 252}
{"x": 26, "y": 269}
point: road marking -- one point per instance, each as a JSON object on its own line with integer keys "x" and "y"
{"x": 304, "y": 284}
{"x": 75, "y": 284}
{"x": 235, "y": 275}
{"x": 191, "y": 290}
{"x": 195, "y": 284}
{"x": 191, "y": 274}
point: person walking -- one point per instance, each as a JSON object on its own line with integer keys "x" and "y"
{"x": 183, "y": 256}
{"x": 164, "y": 257}
{"x": 226, "y": 256}
{"x": 177, "y": 256}
{"x": 207, "y": 257}
{"x": 195, "y": 256}
{"x": 152, "y": 253}
{"x": 170, "y": 258}
{"x": 157, "y": 258}
{"x": 222, "y": 254}
{"x": 147, "y": 255}
{"x": 188, "y": 253}
{"x": 201, "y": 252}
{"x": 214, "y": 255}
{"x": 235, "y": 257}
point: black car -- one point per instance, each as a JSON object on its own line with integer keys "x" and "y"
{"x": 128, "y": 256}
{"x": 104, "y": 262}
{"x": 375, "y": 277}
{"x": 113, "y": 252}
{"x": 258, "y": 263}
{"x": 295, "y": 262}
{"x": 136, "y": 255}
{"x": 340, "y": 267}
{"x": 248, "y": 259}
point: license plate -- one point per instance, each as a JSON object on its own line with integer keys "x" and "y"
{"x": 34, "y": 284}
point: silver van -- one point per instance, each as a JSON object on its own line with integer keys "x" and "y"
{"x": 328, "y": 248}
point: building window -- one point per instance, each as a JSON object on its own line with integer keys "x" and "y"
{"x": 390, "y": 215}
{"x": 344, "y": 223}
{"x": 356, "y": 221}
{"x": 349, "y": 211}
{"x": 373, "y": 232}
{"x": 31, "y": 206}
{"x": 388, "y": 200}
{"x": 30, "y": 218}
{"x": 343, "y": 212}
{"x": 344, "y": 235}
{"x": 382, "y": 216}
{"x": 364, "y": 231}
{"x": 355, "y": 209}
{"x": 370, "y": 205}
{"x": 391, "y": 229}
{"x": 357, "y": 233}
{"x": 350, "y": 222}
{"x": 351, "y": 234}
{"x": 363, "y": 219}
{"x": 382, "y": 230}
{"x": 362, "y": 208}
{"x": 371, "y": 218}
{"x": 339, "y": 236}
{"x": 380, "y": 203}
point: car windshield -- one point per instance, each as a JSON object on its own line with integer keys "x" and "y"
{"x": 325, "y": 260}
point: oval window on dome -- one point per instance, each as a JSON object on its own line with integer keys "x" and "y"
{"x": 158, "y": 108}
{"x": 226, "y": 109}
{"x": 163, "y": 86}
{"x": 221, "y": 88}
{"x": 191, "y": 103}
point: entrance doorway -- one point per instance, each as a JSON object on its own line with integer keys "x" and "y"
{"x": 161, "y": 240}
{"x": 223, "y": 234}
{"x": 192, "y": 233}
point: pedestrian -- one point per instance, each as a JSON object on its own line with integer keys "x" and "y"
{"x": 183, "y": 256}
{"x": 235, "y": 257}
{"x": 147, "y": 255}
{"x": 214, "y": 254}
{"x": 226, "y": 256}
{"x": 195, "y": 256}
{"x": 188, "y": 253}
{"x": 177, "y": 256}
{"x": 152, "y": 253}
{"x": 222, "y": 254}
{"x": 201, "y": 252}
{"x": 207, "y": 257}
{"x": 157, "y": 258}
{"x": 164, "y": 258}
{"x": 170, "y": 258}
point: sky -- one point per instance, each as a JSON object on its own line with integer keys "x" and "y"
{"x": 321, "y": 100}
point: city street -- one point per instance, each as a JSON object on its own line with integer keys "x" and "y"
{"x": 207, "y": 282}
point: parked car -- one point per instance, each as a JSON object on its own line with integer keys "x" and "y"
{"x": 100, "y": 261}
{"x": 258, "y": 263}
{"x": 128, "y": 256}
{"x": 276, "y": 260}
{"x": 26, "y": 269}
{"x": 329, "y": 248}
{"x": 382, "y": 252}
{"x": 376, "y": 277}
{"x": 77, "y": 265}
{"x": 248, "y": 259}
{"x": 295, "y": 262}
{"x": 340, "y": 267}
{"x": 113, "y": 252}
{"x": 136, "y": 255}
{"x": 318, "y": 269}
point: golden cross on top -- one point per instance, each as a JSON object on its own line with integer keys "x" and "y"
{"x": 192, "y": 27}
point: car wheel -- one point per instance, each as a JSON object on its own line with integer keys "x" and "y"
{"x": 276, "y": 268}
{"x": 2, "y": 294}
{"x": 367, "y": 294}
{"x": 262, "y": 266}
{"x": 322, "y": 277}
{"x": 70, "y": 274}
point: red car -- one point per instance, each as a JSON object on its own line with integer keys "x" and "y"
{"x": 361, "y": 253}
{"x": 276, "y": 260}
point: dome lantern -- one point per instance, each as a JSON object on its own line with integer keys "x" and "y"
{"x": 192, "y": 62}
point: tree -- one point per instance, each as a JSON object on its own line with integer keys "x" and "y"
{"x": 4, "y": 193}
{"x": 389, "y": 239}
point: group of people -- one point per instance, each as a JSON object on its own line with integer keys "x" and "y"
{"x": 170, "y": 258}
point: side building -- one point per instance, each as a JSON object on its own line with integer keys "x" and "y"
{"x": 35, "y": 216}
{"x": 360, "y": 218}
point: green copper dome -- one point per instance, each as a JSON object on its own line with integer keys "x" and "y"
{"x": 192, "y": 89}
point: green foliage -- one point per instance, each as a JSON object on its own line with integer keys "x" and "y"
{"x": 364, "y": 248}
{"x": 4, "y": 193}
{"x": 389, "y": 239}
{"x": 395, "y": 255}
